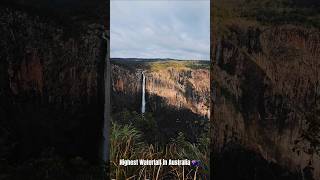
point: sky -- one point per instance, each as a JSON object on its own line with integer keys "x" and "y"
{"x": 178, "y": 29}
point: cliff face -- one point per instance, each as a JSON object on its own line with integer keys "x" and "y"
{"x": 178, "y": 88}
{"x": 126, "y": 89}
{"x": 188, "y": 89}
{"x": 266, "y": 85}
{"x": 50, "y": 84}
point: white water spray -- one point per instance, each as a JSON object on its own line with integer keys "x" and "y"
{"x": 143, "y": 103}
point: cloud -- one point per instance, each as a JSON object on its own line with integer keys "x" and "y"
{"x": 177, "y": 29}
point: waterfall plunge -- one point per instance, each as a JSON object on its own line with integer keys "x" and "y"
{"x": 143, "y": 103}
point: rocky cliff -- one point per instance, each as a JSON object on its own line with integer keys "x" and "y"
{"x": 50, "y": 82}
{"x": 179, "y": 88}
{"x": 126, "y": 88}
{"x": 176, "y": 96}
{"x": 266, "y": 93}
{"x": 185, "y": 88}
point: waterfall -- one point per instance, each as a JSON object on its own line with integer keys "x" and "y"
{"x": 143, "y": 103}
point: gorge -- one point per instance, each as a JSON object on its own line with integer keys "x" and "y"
{"x": 265, "y": 89}
{"x": 160, "y": 109}
{"x": 51, "y": 88}
{"x": 176, "y": 93}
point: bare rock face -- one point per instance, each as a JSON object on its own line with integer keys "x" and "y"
{"x": 126, "y": 88}
{"x": 266, "y": 86}
{"x": 28, "y": 75}
{"x": 185, "y": 88}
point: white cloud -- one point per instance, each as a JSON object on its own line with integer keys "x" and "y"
{"x": 160, "y": 29}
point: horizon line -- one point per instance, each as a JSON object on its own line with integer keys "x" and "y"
{"x": 159, "y": 58}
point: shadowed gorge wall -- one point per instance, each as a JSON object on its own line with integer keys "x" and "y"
{"x": 266, "y": 95}
{"x": 126, "y": 88}
{"x": 51, "y": 85}
{"x": 48, "y": 76}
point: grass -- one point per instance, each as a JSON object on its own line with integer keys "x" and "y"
{"x": 126, "y": 143}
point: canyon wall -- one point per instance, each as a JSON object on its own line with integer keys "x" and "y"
{"x": 176, "y": 98}
{"x": 51, "y": 81}
{"x": 265, "y": 86}
{"x": 126, "y": 88}
{"x": 179, "y": 88}
{"x": 185, "y": 88}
